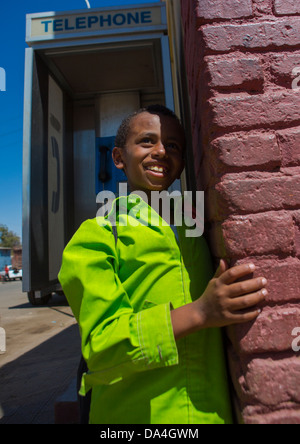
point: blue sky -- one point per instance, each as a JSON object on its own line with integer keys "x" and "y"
{"x": 12, "y": 56}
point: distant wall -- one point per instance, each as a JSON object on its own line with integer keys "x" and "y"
{"x": 5, "y": 258}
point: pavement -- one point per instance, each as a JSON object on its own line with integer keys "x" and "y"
{"x": 38, "y": 369}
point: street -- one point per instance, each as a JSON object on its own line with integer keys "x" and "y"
{"x": 41, "y": 358}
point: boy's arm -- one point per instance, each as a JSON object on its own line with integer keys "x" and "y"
{"x": 224, "y": 302}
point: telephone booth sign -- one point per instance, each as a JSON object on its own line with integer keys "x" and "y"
{"x": 84, "y": 72}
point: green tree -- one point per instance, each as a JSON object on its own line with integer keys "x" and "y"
{"x": 8, "y": 238}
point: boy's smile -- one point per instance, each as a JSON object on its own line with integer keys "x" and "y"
{"x": 153, "y": 155}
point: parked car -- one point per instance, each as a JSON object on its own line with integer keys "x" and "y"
{"x": 14, "y": 273}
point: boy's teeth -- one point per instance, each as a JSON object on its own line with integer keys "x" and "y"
{"x": 157, "y": 169}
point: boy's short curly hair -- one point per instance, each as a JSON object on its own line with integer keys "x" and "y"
{"x": 123, "y": 131}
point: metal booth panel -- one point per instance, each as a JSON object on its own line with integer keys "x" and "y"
{"x": 35, "y": 174}
{"x": 56, "y": 222}
{"x": 46, "y": 179}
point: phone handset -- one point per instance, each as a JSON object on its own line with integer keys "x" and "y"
{"x": 104, "y": 175}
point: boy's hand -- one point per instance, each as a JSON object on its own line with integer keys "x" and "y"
{"x": 227, "y": 302}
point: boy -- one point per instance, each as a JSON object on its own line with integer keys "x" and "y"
{"x": 148, "y": 307}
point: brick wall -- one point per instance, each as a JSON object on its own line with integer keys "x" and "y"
{"x": 242, "y": 58}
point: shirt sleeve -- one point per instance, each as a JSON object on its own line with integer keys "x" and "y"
{"x": 116, "y": 341}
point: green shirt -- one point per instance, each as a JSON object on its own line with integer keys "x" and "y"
{"x": 122, "y": 296}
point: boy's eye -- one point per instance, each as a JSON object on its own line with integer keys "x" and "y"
{"x": 147, "y": 141}
{"x": 173, "y": 146}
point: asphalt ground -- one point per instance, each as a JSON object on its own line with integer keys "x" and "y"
{"x": 41, "y": 359}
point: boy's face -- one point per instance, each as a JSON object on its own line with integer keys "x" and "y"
{"x": 153, "y": 156}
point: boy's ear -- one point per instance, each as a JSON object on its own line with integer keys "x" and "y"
{"x": 117, "y": 155}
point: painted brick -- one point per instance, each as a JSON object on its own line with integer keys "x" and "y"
{"x": 265, "y": 233}
{"x": 271, "y": 332}
{"x": 268, "y": 382}
{"x": 296, "y": 216}
{"x": 286, "y": 7}
{"x": 262, "y": 7}
{"x": 289, "y": 143}
{"x": 238, "y": 134}
{"x": 223, "y": 9}
{"x": 206, "y": 176}
{"x": 253, "y": 235}
{"x": 232, "y": 71}
{"x": 243, "y": 111}
{"x": 283, "y": 278}
{"x": 242, "y": 194}
{"x": 274, "y": 382}
{"x": 216, "y": 241}
{"x": 283, "y": 68}
{"x": 245, "y": 150}
{"x": 297, "y": 240}
{"x": 279, "y": 417}
{"x": 186, "y": 15}
{"x": 274, "y": 34}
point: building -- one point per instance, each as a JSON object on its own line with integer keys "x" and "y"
{"x": 5, "y": 258}
{"x": 16, "y": 259}
{"x": 243, "y": 64}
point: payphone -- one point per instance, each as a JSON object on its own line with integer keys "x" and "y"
{"x": 84, "y": 72}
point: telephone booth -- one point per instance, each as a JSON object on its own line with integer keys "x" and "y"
{"x": 84, "y": 72}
